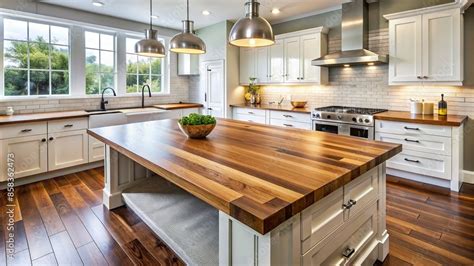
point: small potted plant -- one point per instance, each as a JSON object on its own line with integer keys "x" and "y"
{"x": 254, "y": 91}
{"x": 196, "y": 126}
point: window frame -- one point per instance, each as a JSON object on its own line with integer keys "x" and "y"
{"x": 29, "y": 69}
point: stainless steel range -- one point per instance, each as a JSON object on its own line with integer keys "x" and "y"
{"x": 350, "y": 121}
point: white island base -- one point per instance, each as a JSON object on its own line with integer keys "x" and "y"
{"x": 346, "y": 227}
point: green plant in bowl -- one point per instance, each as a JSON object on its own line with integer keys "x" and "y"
{"x": 197, "y": 126}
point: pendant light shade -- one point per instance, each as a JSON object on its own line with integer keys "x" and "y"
{"x": 187, "y": 42}
{"x": 252, "y": 30}
{"x": 150, "y": 46}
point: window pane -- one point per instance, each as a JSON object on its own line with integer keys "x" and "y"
{"x": 132, "y": 86}
{"x": 39, "y": 82}
{"x": 39, "y": 56}
{"x": 92, "y": 40}
{"x": 59, "y": 57}
{"x": 92, "y": 61}
{"x": 107, "y": 42}
{"x": 106, "y": 62}
{"x": 156, "y": 66}
{"x": 92, "y": 83}
{"x": 15, "y": 29}
{"x": 16, "y": 54}
{"x": 39, "y": 32}
{"x": 16, "y": 82}
{"x": 143, "y": 65}
{"x": 131, "y": 64}
{"x": 59, "y": 35}
{"x": 59, "y": 83}
{"x": 131, "y": 44}
{"x": 107, "y": 80}
{"x": 142, "y": 80}
{"x": 156, "y": 83}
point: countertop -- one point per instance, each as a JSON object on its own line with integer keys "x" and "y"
{"x": 449, "y": 120}
{"x": 260, "y": 175}
{"x": 274, "y": 107}
{"x": 37, "y": 117}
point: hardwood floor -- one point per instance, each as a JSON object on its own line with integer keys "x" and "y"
{"x": 62, "y": 221}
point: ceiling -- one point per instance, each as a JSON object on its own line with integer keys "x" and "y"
{"x": 171, "y": 12}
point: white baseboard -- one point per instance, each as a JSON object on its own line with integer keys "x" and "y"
{"x": 468, "y": 177}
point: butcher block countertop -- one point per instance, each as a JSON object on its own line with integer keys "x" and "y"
{"x": 260, "y": 175}
{"x": 274, "y": 107}
{"x": 174, "y": 106}
{"x": 449, "y": 120}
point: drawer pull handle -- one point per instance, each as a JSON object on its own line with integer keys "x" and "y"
{"x": 26, "y": 130}
{"x": 412, "y": 128}
{"x": 412, "y": 161}
{"x": 288, "y": 116}
{"x": 348, "y": 252}
{"x": 250, "y": 113}
{"x": 411, "y": 140}
{"x": 349, "y": 204}
{"x": 68, "y": 126}
{"x": 288, "y": 125}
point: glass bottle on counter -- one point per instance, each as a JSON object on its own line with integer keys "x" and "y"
{"x": 442, "y": 107}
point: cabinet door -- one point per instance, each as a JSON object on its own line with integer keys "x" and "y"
{"x": 96, "y": 150}
{"x": 67, "y": 149}
{"x": 30, "y": 156}
{"x": 442, "y": 46}
{"x": 262, "y": 65}
{"x": 292, "y": 59}
{"x": 247, "y": 65}
{"x": 405, "y": 50}
{"x": 277, "y": 64}
{"x": 310, "y": 50}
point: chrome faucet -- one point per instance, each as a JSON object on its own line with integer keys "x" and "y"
{"x": 143, "y": 94}
{"x": 104, "y": 102}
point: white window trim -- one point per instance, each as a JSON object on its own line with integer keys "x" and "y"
{"x": 77, "y": 59}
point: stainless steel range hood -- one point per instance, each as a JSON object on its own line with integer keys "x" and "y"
{"x": 355, "y": 39}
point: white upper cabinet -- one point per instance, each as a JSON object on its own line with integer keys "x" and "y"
{"x": 426, "y": 46}
{"x": 288, "y": 60}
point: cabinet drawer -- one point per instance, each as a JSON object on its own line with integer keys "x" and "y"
{"x": 360, "y": 193}
{"x": 411, "y": 129}
{"x": 422, "y": 163}
{"x": 250, "y": 118}
{"x": 346, "y": 244}
{"x": 420, "y": 143}
{"x": 291, "y": 116}
{"x": 67, "y": 125}
{"x": 321, "y": 219}
{"x": 22, "y": 130}
{"x": 249, "y": 111}
{"x": 290, "y": 124}
{"x": 96, "y": 150}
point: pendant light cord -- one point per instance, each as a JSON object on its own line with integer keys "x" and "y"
{"x": 151, "y": 14}
{"x": 187, "y": 9}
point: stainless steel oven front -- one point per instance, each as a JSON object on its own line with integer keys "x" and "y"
{"x": 344, "y": 129}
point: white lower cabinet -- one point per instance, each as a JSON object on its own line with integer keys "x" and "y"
{"x": 67, "y": 149}
{"x": 275, "y": 118}
{"x": 30, "y": 155}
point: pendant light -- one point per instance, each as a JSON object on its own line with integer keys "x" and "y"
{"x": 187, "y": 42}
{"x": 150, "y": 46}
{"x": 252, "y": 30}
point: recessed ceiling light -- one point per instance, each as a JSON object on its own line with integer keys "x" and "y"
{"x": 206, "y": 12}
{"x": 276, "y": 11}
{"x": 98, "y": 3}
{"x": 154, "y": 16}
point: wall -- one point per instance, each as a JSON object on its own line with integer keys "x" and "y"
{"x": 367, "y": 86}
{"x": 179, "y": 86}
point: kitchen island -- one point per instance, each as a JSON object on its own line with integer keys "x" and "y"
{"x": 267, "y": 195}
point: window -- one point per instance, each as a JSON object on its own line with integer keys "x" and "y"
{"x": 142, "y": 70}
{"x": 100, "y": 62}
{"x": 36, "y": 59}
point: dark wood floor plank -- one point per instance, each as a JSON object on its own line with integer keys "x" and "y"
{"x": 88, "y": 196}
{"x": 90, "y": 181}
{"x": 46, "y": 208}
{"x": 50, "y": 186}
{"x": 127, "y": 216}
{"x": 122, "y": 233}
{"x": 36, "y": 234}
{"x": 91, "y": 255}
{"x": 64, "y": 249}
{"x": 21, "y": 259}
{"x": 138, "y": 253}
{"x": 48, "y": 260}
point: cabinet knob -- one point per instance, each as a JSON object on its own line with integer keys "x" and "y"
{"x": 349, "y": 204}
{"x": 419, "y": 77}
{"x": 51, "y": 138}
{"x": 348, "y": 253}
{"x": 425, "y": 77}
{"x": 43, "y": 140}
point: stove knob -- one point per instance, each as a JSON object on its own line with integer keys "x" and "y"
{"x": 328, "y": 117}
{"x": 367, "y": 120}
{"x": 354, "y": 119}
{"x": 317, "y": 115}
{"x": 361, "y": 120}
{"x": 339, "y": 117}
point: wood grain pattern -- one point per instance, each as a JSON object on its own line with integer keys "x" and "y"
{"x": 175, "y": 106}
{"x": 275, "y": 107}
{"x": 449, "y": 120}
{"x": 260, "y": 175}
{"x": 36, "y": 117}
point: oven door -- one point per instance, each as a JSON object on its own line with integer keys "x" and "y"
{"x": 327, "y": 127}
{"x": 344, "y": 129}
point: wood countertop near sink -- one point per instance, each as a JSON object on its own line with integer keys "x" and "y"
{"x": 37, "y": 117}
{"x": 274, "y": 107}
{"x": 449, "y": 120}
{"x": 174, "y": 106}
{"x": 260, "y": 175}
